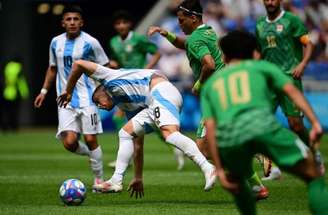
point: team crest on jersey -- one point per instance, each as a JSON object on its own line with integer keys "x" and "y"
{"x": 280, "y": 28}
{"x": 129, "y": 48}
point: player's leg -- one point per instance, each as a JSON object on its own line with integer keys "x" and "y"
{"x": 164, "y": 111}
{"x": 119, "y": 121}
{"x": 91, "y": 126}
{"x": 239, "y": 170}
{"x": 291, "y": 154}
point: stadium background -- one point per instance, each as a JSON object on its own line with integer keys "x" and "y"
{"x": 27, "y": 27}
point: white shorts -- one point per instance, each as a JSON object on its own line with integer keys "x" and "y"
{"x": 164, "y": 109}
{"x": 84, "y": 120}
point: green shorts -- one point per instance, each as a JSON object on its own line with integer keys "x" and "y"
{"x": 287, "y": 106}
{"x": 281, "y": 145}
{"x": 201, "y": 131}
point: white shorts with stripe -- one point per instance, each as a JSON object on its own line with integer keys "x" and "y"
{"x": 84, "y": 120}
{"x": 164, "y": 108}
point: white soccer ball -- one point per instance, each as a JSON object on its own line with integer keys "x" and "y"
{"x": 72, "y": 192}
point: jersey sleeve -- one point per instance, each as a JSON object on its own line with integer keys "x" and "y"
{"x": 298, "y": 29}
{"x": 100, "y": 56}
{"x": 276, "y": 76}
{"x": 198, "y": 49}
{"x": 52, "y": 53}
{"x": 205, "y": 104}
{"x": 146, "y": 45}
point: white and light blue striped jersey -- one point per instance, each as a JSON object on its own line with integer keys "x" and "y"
{"x": 63, "y": 52}
{"x": 129, "y": 88}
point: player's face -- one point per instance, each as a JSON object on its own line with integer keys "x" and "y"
{"x": 271, "y": 6}
{"x": 72, "y": 22}
{"x": 104, "y": 102}
{"x": 122, "y": 26}
{"x": 185, "y": 22}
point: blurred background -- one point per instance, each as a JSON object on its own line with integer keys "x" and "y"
{"x": 27, "y": 27}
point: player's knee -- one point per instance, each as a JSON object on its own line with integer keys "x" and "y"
{"x": 91, "y": 141}
{"x": 167, "y": 130}
{"x": 70, "y": 144}
{"x": 122, "y": 134}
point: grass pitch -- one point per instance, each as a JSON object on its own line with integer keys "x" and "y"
{"x": 33, "y": 164}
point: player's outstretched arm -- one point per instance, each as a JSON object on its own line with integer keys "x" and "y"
{"x": 226, "y": 183}
{"x": 78, "y": 68}
{"x": 307, "y": 53}
{"x": 49, "y": 79}
{"x": 297, "y": 97}
{"x": 136, "y": 185}
{"x": 178, "y": 42}
{"x": 153, "y": 61}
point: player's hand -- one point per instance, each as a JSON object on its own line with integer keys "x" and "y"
{"x": 298, "y": 71}
{"x": 315, "y": 135}
{"x": 136, "y": 188}
{"x": 227, "y": 182}
{"x": 64, "y": 99}
{"x": 39, "y": 100}
{"x": 153, "y": 29}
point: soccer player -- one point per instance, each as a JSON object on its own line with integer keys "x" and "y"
{"x": 81, "y": 115}
{"x": 284, "y": 41}
{"x": 129, "y": 50}
{"x": 236, "y": 102}
{"x": 154, "y": 102}
{"x": 204, "y": 56}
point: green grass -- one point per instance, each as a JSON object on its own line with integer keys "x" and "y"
{"x": 33, "y": 164}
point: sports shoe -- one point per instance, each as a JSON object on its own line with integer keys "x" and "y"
{"x": 261, "y": 192}
{"x": 112, "y": 164}
{"x": 96, "y": 182}
{"x": 210, "y": 178}
{"x": 274, "y": 175}
{"x": 108, "y": 187}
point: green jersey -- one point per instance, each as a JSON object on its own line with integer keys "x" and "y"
{"x": 203, "y": 41}
{"x": 239, "y": 99}
{"x": 279, "y": 40}
{"x": 131, "y": 52}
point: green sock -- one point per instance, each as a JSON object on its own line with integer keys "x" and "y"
{"x": 245, "y": 199}
{"x": 254, "y": 180}
{"x": 119, "y": 121}
{"x": 318, "y": 196}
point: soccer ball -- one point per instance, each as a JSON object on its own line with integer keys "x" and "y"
{"x": 72, "y": 192}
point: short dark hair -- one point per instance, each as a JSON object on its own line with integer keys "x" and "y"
{"x": 191, "y": 7}
{"x": 100, "y": 89}
{"x": 122, "y": 14}
{"x": 238, "y": 45}
{"x": 72, "y": 9}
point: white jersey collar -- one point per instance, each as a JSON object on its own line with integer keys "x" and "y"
{"x": 277, "y": 18}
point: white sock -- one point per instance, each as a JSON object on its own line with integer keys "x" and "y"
{"x": 96, "y": 162}
{"x": 189, "y": 147}
{"x": 124, "y": 155}
{"x": 82, "y": 149}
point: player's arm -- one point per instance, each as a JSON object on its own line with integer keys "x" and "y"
{"x": 297, "y": 97}
{"x": 48, "y": 81}
{"x": 153, "y": 61}
{"x": 214, "y": 153}
{"x": 136, "y": 185}
{"x": 178, "y": 42}
{"x": 208, "y": 67}
{"x": 307, "y": 53}
{"x": 78, "y": 68}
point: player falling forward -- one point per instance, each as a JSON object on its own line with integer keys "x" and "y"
{"x": 155, "y": 102}
{"x": 81, "y": 115}
{"x": 235, "y": 103}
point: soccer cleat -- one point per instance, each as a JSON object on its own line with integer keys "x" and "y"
{"x": 112, "y": 164}
{"x": 210, "y": 178}
{"x": 96, "y": 182}
{"x": 261, "y": 192}
{"x": 108, "y": 187}
{"x": 274, "y": 175}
